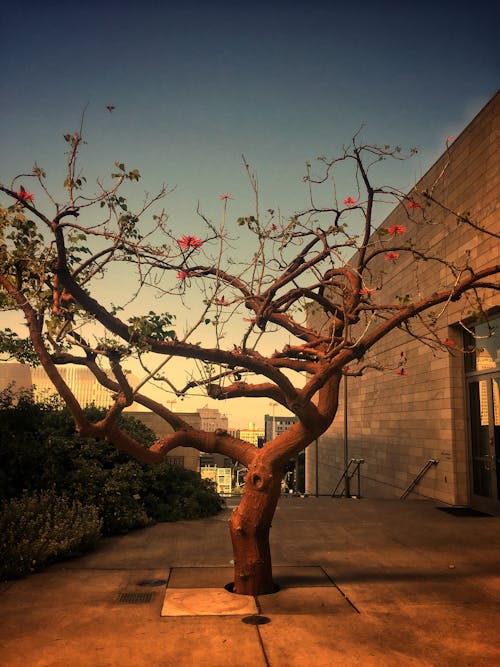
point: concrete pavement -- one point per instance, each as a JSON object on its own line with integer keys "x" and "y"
{"x": 363, "y": 582}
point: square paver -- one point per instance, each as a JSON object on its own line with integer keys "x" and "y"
{"x": 206, "y": 602}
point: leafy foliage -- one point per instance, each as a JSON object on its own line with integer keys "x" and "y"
{"x": 40, "y": 450}
{"x": 41, "y": 527}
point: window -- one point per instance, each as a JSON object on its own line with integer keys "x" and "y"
{"x": 176, "y": 461}
{"x": 483, "y": 344}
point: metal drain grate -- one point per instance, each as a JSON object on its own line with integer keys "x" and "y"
{"x": 135, "y": 598}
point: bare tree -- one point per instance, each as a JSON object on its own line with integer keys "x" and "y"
{"x": 308, "y": 291}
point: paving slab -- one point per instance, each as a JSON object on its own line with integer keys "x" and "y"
{"x": 206, "y": 602}
{"x": 306, "y": 600}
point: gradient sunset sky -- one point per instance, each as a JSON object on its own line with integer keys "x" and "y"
{"x": 195, "y": 85}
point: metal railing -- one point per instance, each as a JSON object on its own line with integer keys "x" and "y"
{"x": 352, "y": 468}
{"x": 427, "y": 466}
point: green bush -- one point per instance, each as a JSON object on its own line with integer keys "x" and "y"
{"x": 39, "y": 449}
{"x": 41, "y": 527}
{"x": 174, "y": 493}
{"x": 120, "y": 502}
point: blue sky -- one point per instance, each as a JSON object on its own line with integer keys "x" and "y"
{"x": 195, "y": 85}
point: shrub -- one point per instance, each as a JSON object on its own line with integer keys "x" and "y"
{"x": 174, "y": 493}
{"x": 120, "y": 502}
{"x": 39, "y": 449}
{"x": 41, "y": 527}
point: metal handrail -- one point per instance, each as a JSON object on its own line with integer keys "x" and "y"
{"x": 429, "y": 464}
{"x": 347, "y": 475}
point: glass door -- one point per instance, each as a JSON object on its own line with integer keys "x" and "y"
{"x": 484, "y": 412}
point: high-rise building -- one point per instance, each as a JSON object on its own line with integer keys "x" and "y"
{"x": 79, "y": 379}
{"x": 274, "y": 426}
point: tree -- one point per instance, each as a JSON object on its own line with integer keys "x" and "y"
{"x": 310, "y": 286}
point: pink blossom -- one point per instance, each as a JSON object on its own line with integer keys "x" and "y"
{"x": 365, "y": 291}
{"x": 413, "y": 204}
{"x": 221, "y": 302}
{"x": 392, "y": 256}
{"x": 190, "y": 242}
{"x": 450, "y": 138}
{"x": 402, "y": 371}
{"x": 24, "y": 195}
{"x": 349, "y": 201}
{"x": 273, "y": 228}
{"x": 182, "y": 275}
{"x": 225, "y": 196}
{"x": 449, "y": 342}
{"x": 395, "y": 230}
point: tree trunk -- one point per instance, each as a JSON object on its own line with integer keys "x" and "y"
{"x": 249, "y": 525}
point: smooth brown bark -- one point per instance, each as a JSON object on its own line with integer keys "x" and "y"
{"x": 249, "y": 525}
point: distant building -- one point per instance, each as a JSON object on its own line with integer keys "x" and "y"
{"x": 274, "y": 426}
{"x": 16, "y": 375}
{"x": 79, "y": 379}
{"x": 212, "y": 419}
{"x": 186, "y": 457}
{"x": 252, "y": 434}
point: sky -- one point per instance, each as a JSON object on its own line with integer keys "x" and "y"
{"x": 196, "y": 85}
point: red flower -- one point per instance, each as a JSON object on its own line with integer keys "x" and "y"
{"x": 448, "y": 342}
{"x": 273, "y": 228}
{"x": 413, "y": 204}
{"x": 190, "y": 242}
{"x": 395, "y": 230}
{"x": 24, "y": 195}
{"x": 402, "y": 371}
{"x": 248, "y": 319}
{"x": 110, "y": 108}
{"x": 225, "y": 196}
{"x": 450, "y": 138}
{"x": 392, "y": 256}
{"x": 349, "y": 201}
{"x": 182, "y": 275}
{"x": 221, "y": 302}
{"x": 365, "y": 291}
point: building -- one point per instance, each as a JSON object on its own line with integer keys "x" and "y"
{"x": 79, "y": 379}
{"x": 447, "y": 408}
{"x": 16, "y": 375}
{"x": 274, "y": 426}
{"x": 212, "y": 419}
{"x": 252, "y": 434}
{"x": 186, "y": 457}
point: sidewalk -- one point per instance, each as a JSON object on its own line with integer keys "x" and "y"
{"x": 363, "y": 582}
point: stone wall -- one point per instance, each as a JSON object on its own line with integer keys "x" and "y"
{"x": 397, "y": 423}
